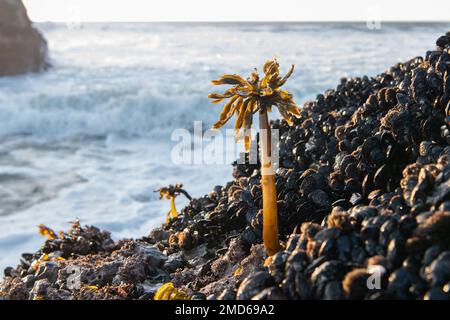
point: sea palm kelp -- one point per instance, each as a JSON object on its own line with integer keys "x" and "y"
{"x": 46, "y": 232}
{"x": 171, "y": 192}
{"x": 245, "y": 98}
{"x": 363, "y": 194}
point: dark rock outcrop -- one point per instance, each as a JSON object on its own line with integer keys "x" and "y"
{"x": 22, "y": 48}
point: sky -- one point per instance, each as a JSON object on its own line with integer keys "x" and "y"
{"x": 237, "y": 10}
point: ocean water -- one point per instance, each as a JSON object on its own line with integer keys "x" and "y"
{"x": 91, "y": 137}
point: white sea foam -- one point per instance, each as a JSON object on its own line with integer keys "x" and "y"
{"x": 90, "y": 138}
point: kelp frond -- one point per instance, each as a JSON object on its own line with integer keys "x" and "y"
{"x": 168, "y": 292}
{"x": 248, "y": 96}
{"x": 46, "y": 232}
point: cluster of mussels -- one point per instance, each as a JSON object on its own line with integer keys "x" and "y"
{"x": 363, "y": 185}
{"x": 363, "y": 192}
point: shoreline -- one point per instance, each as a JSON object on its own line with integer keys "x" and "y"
{"x": 364, "y": 183}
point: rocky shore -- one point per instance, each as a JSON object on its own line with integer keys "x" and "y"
{"x": 22, "y": 48}
{"x": 363, "y": 201}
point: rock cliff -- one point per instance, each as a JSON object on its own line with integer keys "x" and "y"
{"x": 22, "y": 48}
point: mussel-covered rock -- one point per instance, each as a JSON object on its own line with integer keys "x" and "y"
{"x": 363, "y": 188}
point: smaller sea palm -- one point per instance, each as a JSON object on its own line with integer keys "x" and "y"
{"x": 171, "y": 192}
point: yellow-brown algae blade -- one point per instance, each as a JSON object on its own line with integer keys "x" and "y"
{"x": 288, "y": 74}
{"x": 248, "y": 121}
{"x": 266, "y": 92}
{"x": 247, "y": 140}
{"x": 225, "y": 114}
{"x": 232, "y": 79}
{"x": 285, "y": 115}
{"x": 46, "y": 231}
{"x": 241, "y": 113}
{"x": 173, "y": 209}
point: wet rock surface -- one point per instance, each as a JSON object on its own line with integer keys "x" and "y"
{"x": 364, "y": 210}
{"x": 22, "y": 48}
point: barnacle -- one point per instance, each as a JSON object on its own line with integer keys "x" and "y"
{"x": 168, "y": 292}
{"x": 245, "y": 98}
{"x": 171, "y": 192}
